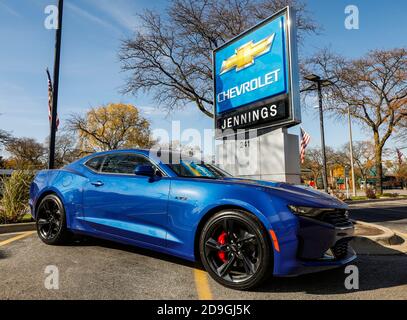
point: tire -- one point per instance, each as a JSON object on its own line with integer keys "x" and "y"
{"x": 51, "y": 221}
{"x": 245, "y": 260}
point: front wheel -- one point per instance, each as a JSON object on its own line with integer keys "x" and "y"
{"x": 51, "y": 221}
{"x": 235, "y": 251}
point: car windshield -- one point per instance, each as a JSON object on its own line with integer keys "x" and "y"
{"x": 193, "y": 168}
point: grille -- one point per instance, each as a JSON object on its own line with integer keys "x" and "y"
{"x": 340, "y": 249}
{"x": 337, "y": 218}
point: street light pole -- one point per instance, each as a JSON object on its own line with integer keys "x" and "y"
{"x": 57, "y": 59}
{"x": 351, "y": 153}
{"x": 321, "y": 123}
{"x": 319, "y": 83}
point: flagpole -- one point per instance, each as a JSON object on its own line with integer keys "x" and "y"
{"x": 57, "y": 59}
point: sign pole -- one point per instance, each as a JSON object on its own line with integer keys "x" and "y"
{"x": 57, "y": 59}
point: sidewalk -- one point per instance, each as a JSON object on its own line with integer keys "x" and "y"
{"x": 401, "y": 192}
{"x": 383, "y": 199}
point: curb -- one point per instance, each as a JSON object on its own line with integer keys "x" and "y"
{"x": 373, "y": 200}
{"x": 17, "y": 227}
{"x": 388, "y": 243}
{"x": 385, "y": 238}
{"x": 402, "y": 247}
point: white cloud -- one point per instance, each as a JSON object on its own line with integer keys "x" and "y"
{"x": 119, "y": 11}
{"x": 151, "y": 111}
{"x": 91, "y": 17}
{"x": 9, "y": 9}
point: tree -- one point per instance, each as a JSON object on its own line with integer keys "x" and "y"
{"x": 114, "y": 126}
{"x": 401, "y": 172}
{"x": 402, "y": 132}
{"x": 172, "y": 55}
{"x": 374, "y": 87}
{"x": 2, "y": 162}
{"x": 66, "y": 148}
{"x": 10, "y": 163}
{"x": 177, "y": 146}
{"x": 26, "y": 152}
{"x": 363, "y": 156}
{"x": 4, "y": 136}
{"x": 314, "y": 160}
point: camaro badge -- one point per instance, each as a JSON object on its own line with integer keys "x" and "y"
{"x": 245, "y": 55}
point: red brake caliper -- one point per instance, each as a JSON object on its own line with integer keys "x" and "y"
{"x": 222, "y": 240}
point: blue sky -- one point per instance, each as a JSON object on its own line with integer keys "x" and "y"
{"x": 90, "y": 72}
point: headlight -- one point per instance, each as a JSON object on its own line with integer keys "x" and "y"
{"x": 307, "y": 211}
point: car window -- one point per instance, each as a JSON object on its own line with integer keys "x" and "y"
{"x": 123, "y": 163}
{"x": 192, "y": 168}
{"x": 95, "y": 163}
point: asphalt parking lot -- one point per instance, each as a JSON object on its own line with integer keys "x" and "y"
{"x": 93, "y": 269}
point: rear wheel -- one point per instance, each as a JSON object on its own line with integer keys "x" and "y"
{"x": 51, "y": 221}
{"x": 235, "y": 251}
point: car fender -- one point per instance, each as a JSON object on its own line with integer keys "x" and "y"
{"x": 68, "y": 186}
{"x": 44, "y": 192}
{"x": 224, "y": 203}
{"x": 280, "y": 225}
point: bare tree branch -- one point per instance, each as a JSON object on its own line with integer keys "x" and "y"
{"x": 172, "y": 56}
{"x": 374, "y": 87}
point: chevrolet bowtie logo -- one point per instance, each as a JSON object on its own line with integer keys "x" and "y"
{"x": 246, "y": 54}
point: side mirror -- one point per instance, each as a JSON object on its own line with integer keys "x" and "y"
{"x": 144, "y": 170}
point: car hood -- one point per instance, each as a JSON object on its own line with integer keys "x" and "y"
{"x": 294, "y": 194}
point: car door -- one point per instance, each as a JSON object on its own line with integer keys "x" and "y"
{"x": 120, "y": 203}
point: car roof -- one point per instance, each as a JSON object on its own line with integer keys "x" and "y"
{"x": 160, "y": 155}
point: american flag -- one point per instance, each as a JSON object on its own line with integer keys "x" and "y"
{"x": 305, "y": 140}
{"x": 50, "y": 98}
{"x": 400, "y": 156}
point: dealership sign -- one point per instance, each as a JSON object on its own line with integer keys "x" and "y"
{"x": 256, "y": 84}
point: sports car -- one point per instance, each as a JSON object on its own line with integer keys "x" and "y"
{"x": 240, "y": 230}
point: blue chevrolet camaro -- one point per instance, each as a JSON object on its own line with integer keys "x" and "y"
{"x": 241, "y": 230}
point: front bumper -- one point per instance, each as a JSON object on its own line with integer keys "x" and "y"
{"x": 316, "y": 238}
{"x": 323, "y": 264}
{"x": 317, "y": 246}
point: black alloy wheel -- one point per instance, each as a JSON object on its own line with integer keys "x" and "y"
{"x": 51, "y": 221}
{"x": 235, "y": 250}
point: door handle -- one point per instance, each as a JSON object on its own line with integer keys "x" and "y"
{"x": 97, "y": 183}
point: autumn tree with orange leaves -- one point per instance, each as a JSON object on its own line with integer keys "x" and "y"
{"x": 110, "y": 127}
